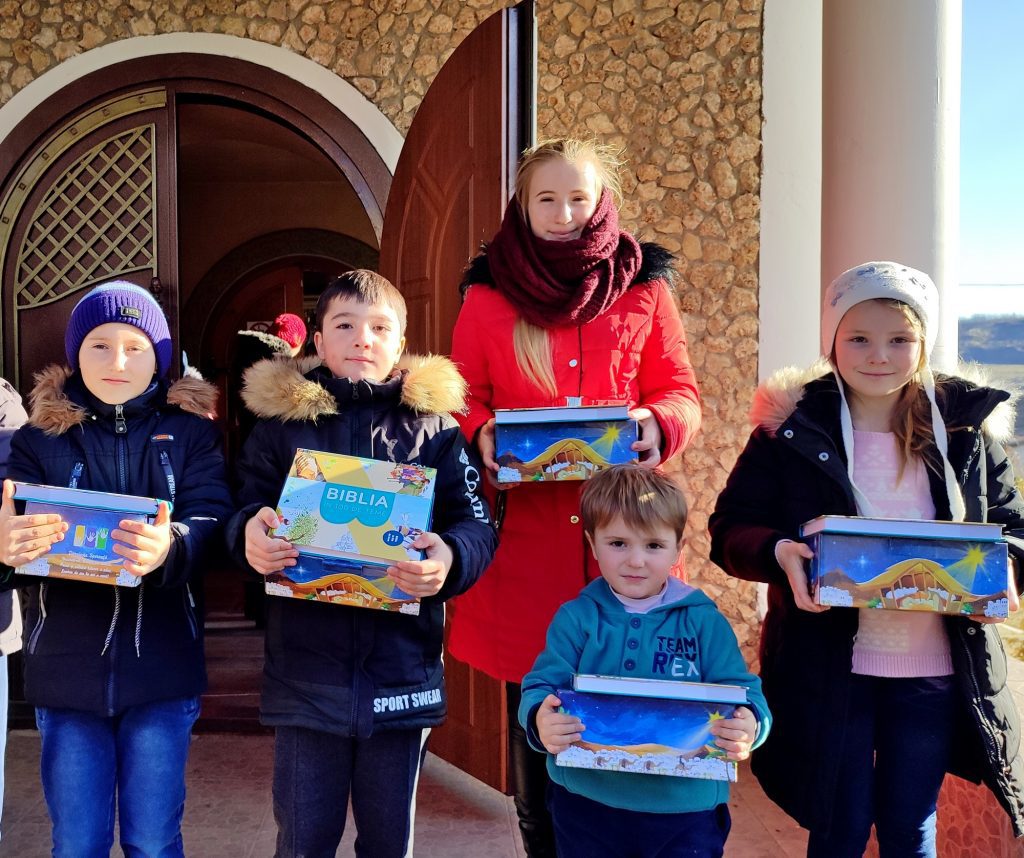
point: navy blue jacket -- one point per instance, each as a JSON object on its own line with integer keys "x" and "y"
{"x": 791, "y": 471}
{"x": 99, "y": 648}
{"x": 337, "y": 668}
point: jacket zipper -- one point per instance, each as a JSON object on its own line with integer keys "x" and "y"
{"x": 121, "y": 462}
{"x": 190, "y": 607}
{"x": 34, "y": 638}
{"x": 579, "y": 353}
{"x": 990, "y": 736}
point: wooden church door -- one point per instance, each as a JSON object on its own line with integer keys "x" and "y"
{"x": 454, "y": 176}
{"x": 93, "y": 201}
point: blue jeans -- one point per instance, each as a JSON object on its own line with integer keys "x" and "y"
{"x": 899, "y": 738}
{"x": 316, "y": 772}
{"x": 585, "y": 828}
{"x": 137, "y": 758}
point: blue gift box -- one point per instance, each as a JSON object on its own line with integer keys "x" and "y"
{"x": 86, "y": 553}
{"x": 571, "y": 443}
{"x": 649, "y": 726}
{"x": 943, "y": 566}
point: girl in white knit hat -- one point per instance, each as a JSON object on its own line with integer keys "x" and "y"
{"x": 871, "y": 707}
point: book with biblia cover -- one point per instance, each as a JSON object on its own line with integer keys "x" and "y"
{"x": 351, "y": 518}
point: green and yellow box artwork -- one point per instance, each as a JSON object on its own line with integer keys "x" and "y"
{"x": 942, "y": 566}
{"x": 351, "y": 518}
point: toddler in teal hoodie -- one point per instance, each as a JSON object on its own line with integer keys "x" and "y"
{"x": 637, "y": 620}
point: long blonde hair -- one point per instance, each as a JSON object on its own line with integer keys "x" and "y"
{"x": 531, "y": 342}
{"x": 911, "y": 418}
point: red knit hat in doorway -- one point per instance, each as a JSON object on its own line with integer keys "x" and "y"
{"x": 289, "y": 328}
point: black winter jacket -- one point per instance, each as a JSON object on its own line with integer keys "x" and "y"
{"x": 791, "y": 471}
{"x": 337, "y": 668}
{"x": 103, "y": 649}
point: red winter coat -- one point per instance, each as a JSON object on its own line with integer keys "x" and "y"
{"x": 635, "y": 352}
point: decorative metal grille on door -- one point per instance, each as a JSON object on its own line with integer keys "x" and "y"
{"x": 89, "y": 203}
{"x": 96, "y": 220}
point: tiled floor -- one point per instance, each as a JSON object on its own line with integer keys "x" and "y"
{"x": 228, "y": 811}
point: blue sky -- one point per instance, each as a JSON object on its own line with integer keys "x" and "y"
{"x": 992, "y": 143}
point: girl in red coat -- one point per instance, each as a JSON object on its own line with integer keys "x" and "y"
{"x": 561, "y": 304}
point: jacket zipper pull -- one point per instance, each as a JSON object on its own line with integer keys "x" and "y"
{"x": 76, "y": 475}
{"x": 120, "y": 426}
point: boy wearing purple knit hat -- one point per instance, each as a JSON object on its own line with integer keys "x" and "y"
{"x": 115, "y": 673}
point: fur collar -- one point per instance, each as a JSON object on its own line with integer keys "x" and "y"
{"x": 777, "y": 397}
{"x": 54, "y": 413}
{"x": 431, "y": 384}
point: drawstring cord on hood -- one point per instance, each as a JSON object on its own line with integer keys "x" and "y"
{"x": 957, "y": 508}
{"x": 117, "y": 613}
{"x": 138, "y": 622}
{"x": 113, "y": 621}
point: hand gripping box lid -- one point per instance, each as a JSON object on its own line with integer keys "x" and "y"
{"x": 86, "y": 551}
{"x": 351, "y": 518}
{"x": 950, "y": 567}
{"x": 569, "y": 443}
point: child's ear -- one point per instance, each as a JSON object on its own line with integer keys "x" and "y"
{"x": 590, "y": 540}
{"x": 318, "y": 340}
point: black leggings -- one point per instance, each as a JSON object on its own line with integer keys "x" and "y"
{"x": 529, "y": 783}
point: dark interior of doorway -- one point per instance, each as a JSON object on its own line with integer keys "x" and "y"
{"x": 235, "y": 601}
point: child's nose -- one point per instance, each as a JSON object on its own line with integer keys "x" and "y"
{"x": 879, "y": 354}
{"x": 120, "y": 358}
{"x": 565, "y": 213}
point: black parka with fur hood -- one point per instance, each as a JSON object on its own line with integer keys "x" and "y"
{"x": 337, "y": 668}
{"x": 103, "y": 649}
{"x": 791, "y": 471}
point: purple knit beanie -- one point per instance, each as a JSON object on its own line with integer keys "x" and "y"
{"x": 119, "y": 301}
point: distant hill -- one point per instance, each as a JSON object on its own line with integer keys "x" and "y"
{"x": 993, "y": 339}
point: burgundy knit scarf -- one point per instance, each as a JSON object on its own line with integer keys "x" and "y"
{"x": 553, "y": 283}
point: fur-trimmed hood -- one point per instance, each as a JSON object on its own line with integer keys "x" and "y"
{"x": 777, "y": 397}
{"x": 52, "y": 411}
{"x": 282, "y": 389}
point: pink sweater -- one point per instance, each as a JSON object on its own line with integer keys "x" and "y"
{"x": 896, "y": 643}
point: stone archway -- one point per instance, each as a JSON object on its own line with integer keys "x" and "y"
{"x": 273, "y": 60}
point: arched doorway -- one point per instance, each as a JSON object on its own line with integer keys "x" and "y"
{"x": 112, "y": 150}
{"x": 195, "y": 176}
{"x": 452, "y": 183}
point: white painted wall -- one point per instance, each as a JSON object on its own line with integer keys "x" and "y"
{"x": 891, "y": 142}
{"x": 790, "y": 267}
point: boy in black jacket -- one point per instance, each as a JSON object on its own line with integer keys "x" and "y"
{"x": 353, "y": 692}
{"x": 115, "y": 672}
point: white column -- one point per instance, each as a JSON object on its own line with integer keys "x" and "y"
{"x": 790, "y": 263}
{"x": 891, "y": 142}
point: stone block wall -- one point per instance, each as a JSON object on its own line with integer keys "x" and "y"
{"x": 675, "y": 83}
